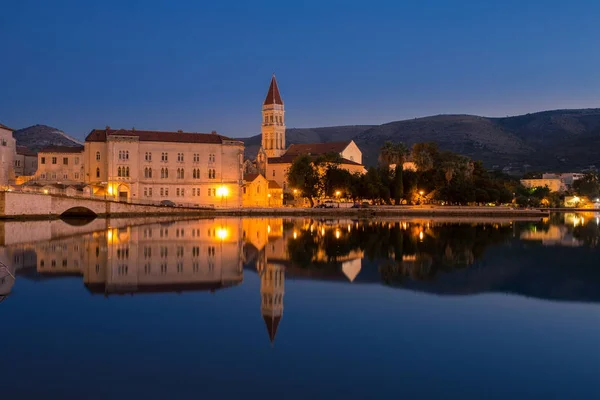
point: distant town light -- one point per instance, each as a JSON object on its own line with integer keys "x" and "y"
{"x": 421, "y": 192}
{"x": 337, "y": 233}
{"x": 295, "y": 235}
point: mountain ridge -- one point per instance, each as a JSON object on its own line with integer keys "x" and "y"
{"x": 561, "y": 139}
{"x": 36, "y": 137}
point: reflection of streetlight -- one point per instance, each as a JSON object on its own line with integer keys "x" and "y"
{"x": 295, "y": 235}
{"x": 269, "y": 196}
{"x": 222, "y": 233}
{"x": 337, "y": 233}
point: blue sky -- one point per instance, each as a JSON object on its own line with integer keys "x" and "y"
{"x": 202, "y": 66}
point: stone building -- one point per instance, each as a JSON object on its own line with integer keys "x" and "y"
{"x": 26, "y": 162}
{"x": 195, "y": 169}
{"x": 274, "y": 160}
{"x": 260, "y": 192}
{"x": 60, "y": 164}
{"x": 7, "y": 156}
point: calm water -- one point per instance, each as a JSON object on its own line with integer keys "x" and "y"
{"x": 301, "y": 309}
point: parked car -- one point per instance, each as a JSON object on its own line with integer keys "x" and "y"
{"x": 168, "y": 203}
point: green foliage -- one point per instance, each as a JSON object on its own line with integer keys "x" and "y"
{"x": 304, "y": 177}
{"x": 392, "y": 153}
{"x": 588, "y": 185}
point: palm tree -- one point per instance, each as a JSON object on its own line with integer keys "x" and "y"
{"x": 392, "y": 153}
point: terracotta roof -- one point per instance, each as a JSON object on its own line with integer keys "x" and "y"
{"x": 274, "y": 185}
{"x": 6, "y": 127}
{"x": 288, "y": 159}
{"x": 272, "y": 325}
{"x": 317, "y": 148}
{"x": 100, "y": 135}
{"x": 251, "y": 177}
{"x": 273, "y": 96}
{"x": 62, "y": 149}
{"x": 24, "y": 151}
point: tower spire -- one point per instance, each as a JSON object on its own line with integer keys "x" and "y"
{"x": 273, "y": 95}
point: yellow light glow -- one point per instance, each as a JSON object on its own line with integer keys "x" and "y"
{"x": 295, "y": 191}
{"x": 295, "y": 235}
{"x": 421, "y": 192}
{"x": 109, "y": 235}
{"x": 110, "y": 190}
{"x": 349, "y": 227}
{"x": 338, "y": 193}
{"x": 269, "y": 195}
{"x": 322, "y": 231}
{"x": 45, "y": 191}
{"x": 268, "y": 228}
{"x": 421, "y": 235}
{"x": 337, "y": 234}
{"x": 222, "y": 233}
{"x": 222, "y": 191}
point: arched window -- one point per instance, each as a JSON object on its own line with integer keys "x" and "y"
{"x": 271, "y": 146}
{"x": 149, "y": 172}
{"x": 182, "y": 173}
{"x": 120, "y": 155}
{"x": 271, "y": 119}
{"x": 162, "y": 172}
{"x": 97, "y": 156}
{"x": 145, "y": 172}
{"x": 98, "y": 172}
{"x": 166, "y": 172}
{"x": 119, "y": 172}
{"x": 127, "y": 155}
{"x": 127, "y": 172}
{"x": 194, "y": 173}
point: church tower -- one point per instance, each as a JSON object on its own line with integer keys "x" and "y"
{"x": 272, "y": 289}
{"x": 273, "y": 126}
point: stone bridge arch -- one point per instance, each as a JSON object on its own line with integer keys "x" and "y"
{"x": 78, "y": 211}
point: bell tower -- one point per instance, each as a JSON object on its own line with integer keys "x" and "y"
{"x": 273, "y": 126}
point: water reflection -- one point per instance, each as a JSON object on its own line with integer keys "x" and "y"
{"x": 550, "y": 259}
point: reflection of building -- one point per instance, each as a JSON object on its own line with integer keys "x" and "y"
{"x": 193, "y": 168}
{"x": 186, "y": 255}
{"x": 272, "y": 289}
{"x": 555, "y": 235}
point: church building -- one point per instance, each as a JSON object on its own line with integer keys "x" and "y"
{"x": 274, "y": 159}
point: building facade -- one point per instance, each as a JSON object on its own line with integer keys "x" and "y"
{"x": 273, "y": 126}
{"x": 194, "y": 169}
{"x": 8, "y": 148}
{"x": 26, "y": 162}
{"x": 60, "y": 164}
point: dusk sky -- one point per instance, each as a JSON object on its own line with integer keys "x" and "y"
{"x": 206, "y": 65}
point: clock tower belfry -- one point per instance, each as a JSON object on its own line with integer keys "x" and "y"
{"x": 273, "y": 125}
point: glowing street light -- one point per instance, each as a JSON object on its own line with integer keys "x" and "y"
{"x": 223, "y": 192}
{"x": 338, "y": 193}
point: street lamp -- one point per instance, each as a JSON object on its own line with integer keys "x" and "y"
{"x": 269, "y": 196}
{"x": 223, "y": 192}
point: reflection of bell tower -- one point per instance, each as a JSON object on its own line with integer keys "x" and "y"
{"x": 272, "y": 289}
{"x": 273, "y": 126}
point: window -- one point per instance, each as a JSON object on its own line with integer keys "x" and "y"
{"x": 150, "y": 192}
{"x": 209, "y": 192}
{"x": 54, "y": 175}
{"x": 53, "y": 160}
{"x": 43, "y": 176}
{"x": 119, "y": 171}
{"x": 76, "y": 160}
{"x": 149, "y": 172}
{"x": 165, "y": 157}
{"x": 43, "y": 160}
{"x": 65, "y": 176}
{"x": 214, "y": 191}
{"x": 148, "y": 156}
{"x": 177, "y": 191}
{"x": 127, "y": 154}
{"x": 196, "y": 157}
{"x": 182, "y": 192}
{"x": 97, "y": 156}
{"x": 127, "y": 172}
{"x": 212, "y": 174}
{"x": 145, "y": 192}
{"x": 273, "y": 173}
{"x": 180, "y": 157}
{"x": 166, "y": 191}
{"x": 244, "y": 189}
{"x": 166, "y": 172}
{"x": 97, "y": 172}
{"x": 162, "y": 192}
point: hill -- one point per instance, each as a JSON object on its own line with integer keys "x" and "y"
{"x": 37, "y": 137}
{"x": 548, "y": 140}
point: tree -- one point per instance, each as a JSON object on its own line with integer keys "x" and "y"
{"x": 392, "y": 154}
{"x": 398, "y": 185}
{"x": 303, "y": 176}
{"x": 336, "y": 179}
{"x": 425, "y": 155}
{"x": 588, "y": 185}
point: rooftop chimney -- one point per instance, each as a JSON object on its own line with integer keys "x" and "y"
{"x": 214, "y": 132}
